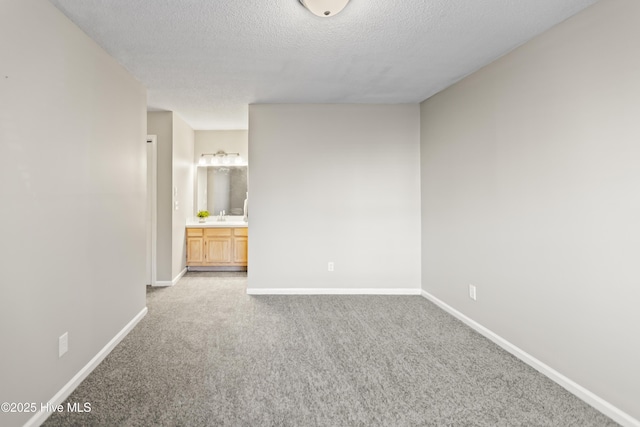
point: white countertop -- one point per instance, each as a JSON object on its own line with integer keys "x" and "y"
{"x": 212, "y": 222}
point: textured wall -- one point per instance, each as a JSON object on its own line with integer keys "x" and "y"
{"x": 530, "y": 191}
{"x": 334, "y": 183}
{"x": 73, "y": 189}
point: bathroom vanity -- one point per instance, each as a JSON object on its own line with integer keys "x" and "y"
{"x": 217, "y": 244}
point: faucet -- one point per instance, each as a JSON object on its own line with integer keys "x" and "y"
{"x": 221, "y": 216}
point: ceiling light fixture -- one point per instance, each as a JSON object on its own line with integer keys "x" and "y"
{"x": 221, "y": 158}
{"x": 324, "y": 8}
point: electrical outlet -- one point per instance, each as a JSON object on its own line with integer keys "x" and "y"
{"x": 330, "y": 266}
{"x": 63, "y": 344}
{"x": 472, "y": 292}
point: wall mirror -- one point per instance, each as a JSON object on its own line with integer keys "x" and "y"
{"x": 221, "y": 188}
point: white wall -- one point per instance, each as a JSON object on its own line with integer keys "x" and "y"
{"x": 334, "y": 183}
{"x": 175, "y": 184}
{"x": 183, "y": 181}
{"x": 160, "y": 123}
{"x": 530, "y": 174}
{"x": 231, "y": 141}
{"x": 73, "y": 190}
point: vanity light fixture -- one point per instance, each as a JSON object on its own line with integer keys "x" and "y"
{"x": 221, "y": 158}
{"x": 324, "y": 8}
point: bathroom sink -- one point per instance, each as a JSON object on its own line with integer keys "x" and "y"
{"x": 213, "y": 221}
{"x": 220, "y": 224}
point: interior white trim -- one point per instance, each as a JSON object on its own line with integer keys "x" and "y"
{"x": 39, "y": 417}
{"x": 589, "y": 397}
{"x": 174, "y": 281}
{"x": 332, "y": 291}
{"x": 230, "y": 268}
{"x": 152, "y": 206}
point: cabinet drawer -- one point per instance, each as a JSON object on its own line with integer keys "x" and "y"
{"x": 194, "y": 232}
{"x": 241, "y": 231}
{"x": 217, "y": 232}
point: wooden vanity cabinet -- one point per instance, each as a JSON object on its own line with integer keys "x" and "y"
{"x": 217, "y": 247}
{"x": 195, "y": 246}
{"x": 240, "y": 245}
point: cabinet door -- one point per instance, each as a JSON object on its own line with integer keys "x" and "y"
{"x": 195, "y": 250}
{"x": 218, "y": 250}
{"x": 240, "y": 245}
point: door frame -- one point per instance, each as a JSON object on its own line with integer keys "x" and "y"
{"x": 152, "y": 208}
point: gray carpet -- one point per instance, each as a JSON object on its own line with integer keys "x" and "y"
{"x": 207, "y": 354}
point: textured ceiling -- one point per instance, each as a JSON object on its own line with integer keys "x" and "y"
{"x": 208, "y": 59}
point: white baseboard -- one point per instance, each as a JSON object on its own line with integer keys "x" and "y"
{"x": 173, "y": 282}
{"x": 218, "y": 269}
{"x": 589, "y": 397}
{"x": 40, "y": 417}
{"x": 333, "y": 291}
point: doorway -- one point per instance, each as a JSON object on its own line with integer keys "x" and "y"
{"x": 152, "y": 208}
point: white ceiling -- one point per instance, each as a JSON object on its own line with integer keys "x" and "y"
{"x": 208, "y": 59}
